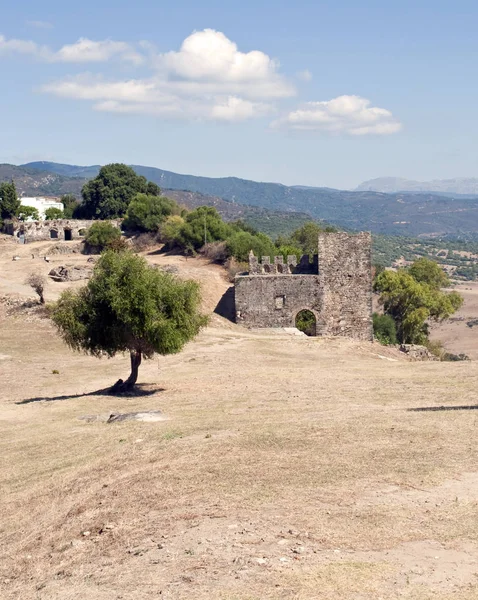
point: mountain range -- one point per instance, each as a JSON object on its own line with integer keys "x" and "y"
{"x": 463, "y": 186}
{"x": 398, "y": 213}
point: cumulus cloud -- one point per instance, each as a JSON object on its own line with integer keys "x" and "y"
{"x": 82, "y": 51}
{"x": 209, "y": 57}
{"x": 207, "y": 78}
{"x": 351, "y": 115}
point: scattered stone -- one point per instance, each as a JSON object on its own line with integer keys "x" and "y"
{"x": 150, "y": 416}
{"x": 86, "y": 533}
{"x": 169, "y": 268}
{"x": 417, "y": 352}
{"x": 66, "y": 273}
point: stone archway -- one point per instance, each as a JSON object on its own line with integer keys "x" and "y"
{"x": 53, "y": 234}
{"x": 306, "y": 321}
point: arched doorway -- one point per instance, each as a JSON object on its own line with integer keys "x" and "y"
{"x": 53, "y": 234}
{"x": 305, "y": 321}
{"x": 68, "y": 235}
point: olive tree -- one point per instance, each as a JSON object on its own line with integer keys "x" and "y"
{"x": 128, "y": 306}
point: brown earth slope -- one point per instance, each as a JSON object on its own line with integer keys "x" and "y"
{"x": 287, "y": 467}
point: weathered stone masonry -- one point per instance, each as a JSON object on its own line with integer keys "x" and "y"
{"x": 337, "y": 288}
{"x": 56, "y": 229}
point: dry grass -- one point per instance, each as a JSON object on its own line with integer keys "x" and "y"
{"x": 289, "y": 468}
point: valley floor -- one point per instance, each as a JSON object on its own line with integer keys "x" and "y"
{"x": 288, "y": 468}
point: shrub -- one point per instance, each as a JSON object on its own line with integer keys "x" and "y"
{"x": 144, "y": 242}
{"x": 38, "y": 283}
{"x": 101, "y": 235}
{"x": 215, "y": 251}
{"x": 202, "y": 225}
{"x": 170, "y": 230}
{"x": 146, "y": 213}
{"x": 241, "y": 243}
{"x": 384, "y": 329}
{"x": 28, "y": 212}
{"x": 234, "y": 267}
{"x": 53, "y": 213}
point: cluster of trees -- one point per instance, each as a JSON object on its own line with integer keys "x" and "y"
{"x": 411, "y": 298}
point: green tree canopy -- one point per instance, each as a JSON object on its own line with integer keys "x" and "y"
{"x": 70, "y": 204}
{"x": 26, "y": 213}
{"x": 9, "y": 202}
{"x": 307, "y": 237}
{"x": 108, "y": 195}
{"x": 239, "y": 245}
{"x": 411, "y": 303}
{"x": 128, "y": 306}
{"x": 146, "y": 213}
{"x": 201, "y": 225}
{"x": 428, "y": 271}
{"x": 53, "y": 213}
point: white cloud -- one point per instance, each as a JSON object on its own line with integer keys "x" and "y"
{"x": 304, "y": 75}
{"x": 153, "y": 97}
{"x": 85, "y": 50}
{"x": 26, "y": 47}
{"x": 208, "y": 78}
{"x": 82, "y": 51}
{"x": 208, "y": 58}
{"x": 351, "y": 115}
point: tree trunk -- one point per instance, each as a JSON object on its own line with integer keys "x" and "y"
{"x": 127, "y": 386}
{"x": 42, "y": 299}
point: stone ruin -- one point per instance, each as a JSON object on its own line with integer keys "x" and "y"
{"x": 335, "y": 286}
{"x": 55, "y": 229}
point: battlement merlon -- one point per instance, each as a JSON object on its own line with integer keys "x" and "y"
{"x": 266, "y": 267}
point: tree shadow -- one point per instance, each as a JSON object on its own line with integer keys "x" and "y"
{"x": 140, "y": 390}
{"x": 226, "y": 307}
{"x": 441, "y": 408}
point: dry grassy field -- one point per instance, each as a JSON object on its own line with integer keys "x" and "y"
{"x": 285, "y": 467}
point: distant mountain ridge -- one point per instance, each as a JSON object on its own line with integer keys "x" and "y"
{"x": 461, "y": 185}
{"x": 409, "y": 214}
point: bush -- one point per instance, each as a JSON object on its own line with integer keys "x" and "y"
{"x": 146, "y": 213}
{"x": 170, "y": 231}
{"x": 234, "y": 267}
{"x": 144, "y": 242}
{"x": 53, "y": 213}
{"x": 215, "y": 251}
{"x": 384, "y": 329}
{"x": 241, "y": 243}
{"x": 202, "y": 225}
{"x": 101, "y": 235}
{"x": 28, "y": 212}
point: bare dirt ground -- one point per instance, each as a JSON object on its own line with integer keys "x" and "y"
{"x": 288, "y": 467}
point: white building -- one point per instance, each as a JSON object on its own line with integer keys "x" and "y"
{"x": 41, "y": 204}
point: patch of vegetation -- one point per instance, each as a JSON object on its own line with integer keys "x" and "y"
{"x": 384, "y": 329}
{"x": 413, "y": 296}
{"x": 128, "y": 306}
{"x": 101, "y": 236}
{"x": 53, "y": 213}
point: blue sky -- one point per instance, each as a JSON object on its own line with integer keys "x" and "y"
{"x": 305, "y": 92}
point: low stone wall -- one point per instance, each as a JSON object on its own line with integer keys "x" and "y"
{"x": 56, "y": 229}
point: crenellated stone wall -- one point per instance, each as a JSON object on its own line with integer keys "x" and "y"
{"x": 336, "y": 287}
